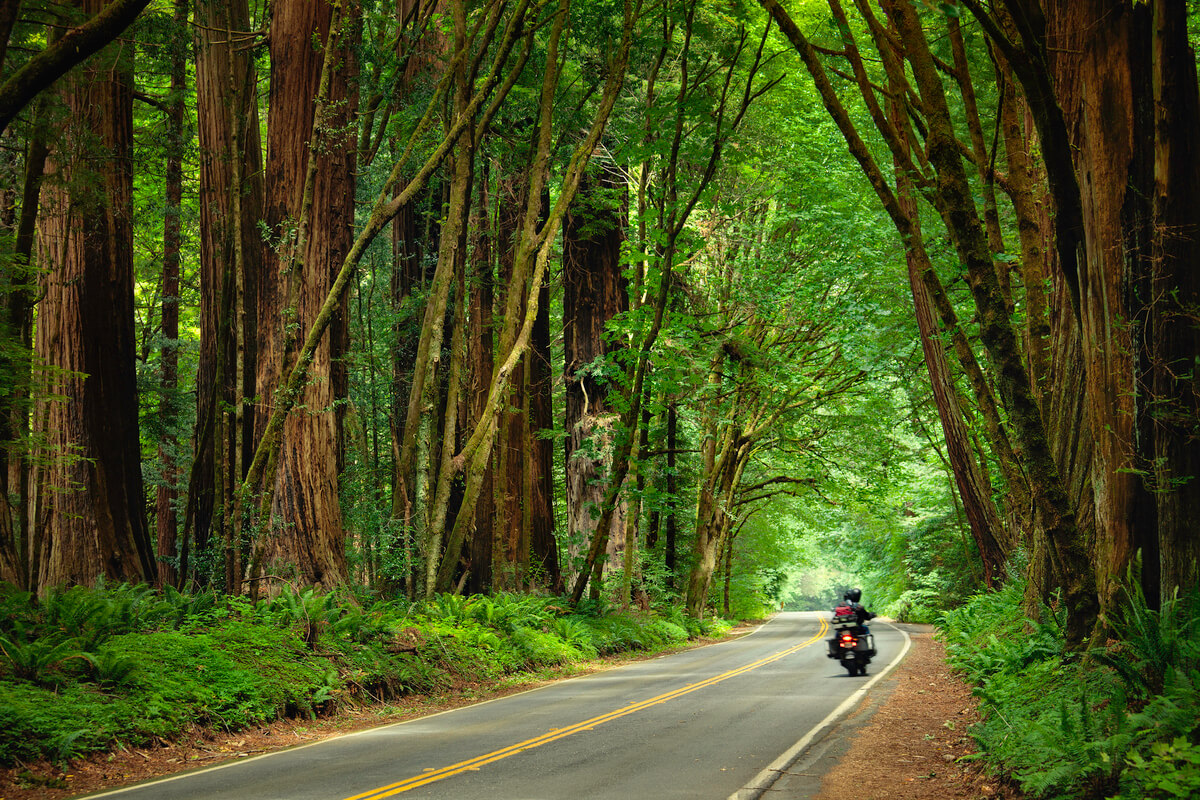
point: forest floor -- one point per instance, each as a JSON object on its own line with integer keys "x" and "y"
{"x": 904, "y": 742}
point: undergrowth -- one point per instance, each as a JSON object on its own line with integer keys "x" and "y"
{"x": 84, "y": 670}
{"x": 1122, "y": 721}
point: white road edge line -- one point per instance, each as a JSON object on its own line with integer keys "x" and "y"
{"x": 765, "y": 779}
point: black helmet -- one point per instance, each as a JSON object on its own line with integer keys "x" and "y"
{"x": 854, "y": 595}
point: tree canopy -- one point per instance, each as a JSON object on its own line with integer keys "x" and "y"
{"x": 712, "y": 304}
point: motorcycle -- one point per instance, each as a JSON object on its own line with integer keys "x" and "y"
{"x": 851, "y": 644}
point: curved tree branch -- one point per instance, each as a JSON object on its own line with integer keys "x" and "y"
{"x": 39, "y": 72}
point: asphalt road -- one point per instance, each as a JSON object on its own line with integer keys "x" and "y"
{"x": 705, "y": 723}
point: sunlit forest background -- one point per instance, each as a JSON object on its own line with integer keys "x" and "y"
{"x": 721, "y": 304}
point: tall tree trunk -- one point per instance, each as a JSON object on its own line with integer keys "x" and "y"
{"x": 1029, "y": 203}
{"x": 594, "y": 292}
{"x": 543, "y": 545}
{"x": 432, "y": 485}
{"x": 969, "y": 478}
{"x": 310, "y": 167}
{"x": 1104, "y": 110}
{"x": 93, "y": 507}
{"x": 16, "y": 531}
{"x": 510, "y": 203}
{"x": 166, "y": 495}
{"x": 672, "y": 524}
{"x": 480, "y": 343}
{"x": 1174, "y": 393}
{"x": 1112, "y": 88}
{"x": 532, "y": 253}
{"x": 511, "y": 529}
{"x": 526, "y": 513}
{"x": 713, "y": 518}
{"x": 231, "y": 204}
{"x": 1053, "y": 510}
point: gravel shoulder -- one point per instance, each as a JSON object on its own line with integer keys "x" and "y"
{"x": 907, "y": 740}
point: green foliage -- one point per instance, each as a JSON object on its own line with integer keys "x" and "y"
{"x": 612, "y": 634}
{"x": 542, "y": 648}
{"x": 111, "y": 666}
{"x": 36, "y": 659}
{"x": 1121, "y": 720}
{"x": 92, "y": 615}
{"x": 1169, "y": 770}
{"x": 1153, "y": 643}
{"x": 692, "y": 627}
{"x": 576, "y": 634}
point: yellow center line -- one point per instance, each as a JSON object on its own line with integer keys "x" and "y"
{"x": 554, "y": 734}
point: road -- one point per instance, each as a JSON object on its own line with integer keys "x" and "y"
{"x": 704, "y": 723}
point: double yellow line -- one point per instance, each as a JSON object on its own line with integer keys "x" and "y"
{"x": 555, "y": 734}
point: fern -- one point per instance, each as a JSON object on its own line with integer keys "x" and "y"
{"x": 111, "y": 667}
{"x": 1152, "y": 644}
{"x": 36, "y": 659}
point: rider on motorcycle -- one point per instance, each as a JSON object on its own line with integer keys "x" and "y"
{"x": 853, "y": 596}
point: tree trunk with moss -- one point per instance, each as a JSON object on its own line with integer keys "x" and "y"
{"x": 1126, "y": 82}
{"x": 594, "y": 292}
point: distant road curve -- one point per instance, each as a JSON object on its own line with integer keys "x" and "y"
{"x": 712, "y": 722}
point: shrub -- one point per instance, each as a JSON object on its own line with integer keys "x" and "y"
{"x": 1169, "y": 770}
{"x": 37, "y": 660}
{"x": 576, "y": 633}
{"x": 542, "y": 649}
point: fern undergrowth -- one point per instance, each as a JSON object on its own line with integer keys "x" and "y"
{"x": 1122, "y": 721}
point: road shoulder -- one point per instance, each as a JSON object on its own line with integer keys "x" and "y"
{"x": 904, "y": 741}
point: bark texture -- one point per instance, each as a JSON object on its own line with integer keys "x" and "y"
{"x": 305, "y": 536}
{"x": 91, "y": 521}
{"x": 594, "y": 292}
{"x": 526, "y": 553}
{"x": 231, "y": 253}
{"x": 481, "y": 362}
{"x": 1174, "y": 391}
{"x": 1125, "y": 80}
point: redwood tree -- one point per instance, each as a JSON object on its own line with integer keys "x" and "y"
{"x": 92, "y": 520}
{"x": 594, "y": 292}
{"x": 310, "y": 218}
{"x": 231, "y": 203}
